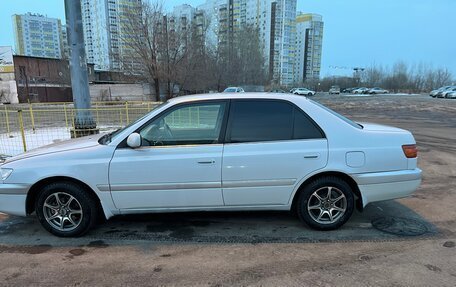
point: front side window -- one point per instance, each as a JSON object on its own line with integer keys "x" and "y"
{"x": 260, "y": 121}
{"x": 191, "y": 124}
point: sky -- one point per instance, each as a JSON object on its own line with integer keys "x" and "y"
{"x": 357, "y": 33}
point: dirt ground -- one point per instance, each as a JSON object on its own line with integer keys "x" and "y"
{"x": 269, "y": 249}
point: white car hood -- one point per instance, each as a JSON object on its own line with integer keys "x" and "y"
{"x": 377, "y": 127}
{"x": 67, "y": 145}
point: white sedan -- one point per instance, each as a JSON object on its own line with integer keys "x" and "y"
{"x": 451, "y": 95}
{"x": 234, "y": 90}
{"x": 304, "y": 92}
{"x": 228, "y": 152}
{"x": 376, "y": 91}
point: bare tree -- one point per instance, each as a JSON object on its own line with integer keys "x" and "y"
{"x": 402, "y": 77}
{"x": 374, "y": 76}
{"x": 141, "y": 35}
{"x": 240, "y": 61}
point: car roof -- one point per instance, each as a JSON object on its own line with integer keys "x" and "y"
{"x": 230, "y": 96}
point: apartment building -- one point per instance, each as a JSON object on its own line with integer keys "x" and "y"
{"x": 283, "y": 41}
{"x": 36, "y": 35}
{"x": 104, "y": 34}
{"x": 309, "y": 37}
{"x": 276, "y": 24}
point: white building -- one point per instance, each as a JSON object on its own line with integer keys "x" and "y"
{"x": 65, "y": 46}
{"x": 283, "y": 49}
{"x": 211, "y": 10}
{"x": 37, "y": 36}
{"x": 276, "y": 22}
{"x": 104, "y": 41}
{"x": 183, "y": 15}
{"x": 309, "y": 37}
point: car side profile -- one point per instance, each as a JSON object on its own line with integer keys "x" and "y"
{"x": 376, "y": 91}
{"x": 445, "y": 94}
{"x": 360, "y": 91}
{"x": 436, "y": 92}
{"x": 231, "y": 152}
{"x": 451, "y": 95}
{"x": 304, "y": 92}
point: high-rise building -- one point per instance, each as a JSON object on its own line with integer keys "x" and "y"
{"x": 212, "y": 14}
{"x": 37, "y": 36}
{"x": 258, "y": 13}
{"x": 104, "y": 35}
{"x": 276, "y": 24}
{"x": 309, "y": 37}
{"x": 283, "y": 41}
{"x": 182, "y": 15}
{"x": 65, "y": 46}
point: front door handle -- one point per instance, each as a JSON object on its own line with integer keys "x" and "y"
{"x": 207, "y": 162}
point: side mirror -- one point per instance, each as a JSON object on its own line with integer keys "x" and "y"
{"x": 134, "y": 140}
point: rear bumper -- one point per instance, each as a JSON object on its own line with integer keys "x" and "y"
{"x": 12, "y": 198}
{"x": 387, "y": 185}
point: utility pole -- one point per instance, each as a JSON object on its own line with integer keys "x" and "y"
{"x": 84, "y": 123}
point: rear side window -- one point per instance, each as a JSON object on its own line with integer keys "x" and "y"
{"x": 304, "y": 128}
{"x": 263, "y": 120}
{"x": 253, "y": 121}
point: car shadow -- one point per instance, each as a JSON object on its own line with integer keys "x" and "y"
{"x": 383, "y": 221}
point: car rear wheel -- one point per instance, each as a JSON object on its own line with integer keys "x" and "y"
{"x": 309, "y": 94}
{"x": 325, "y": 203}
{"x": 65, "y": 209}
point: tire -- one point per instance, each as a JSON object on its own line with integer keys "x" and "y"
{"x": 321, "y": 208}
{"x": 309, "y": 94}
{"x": 67, "y": 202}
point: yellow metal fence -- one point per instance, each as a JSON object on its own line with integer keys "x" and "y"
{"x": 29, "y": 126}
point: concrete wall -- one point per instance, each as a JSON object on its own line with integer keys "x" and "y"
{"x": 120, "y": 92}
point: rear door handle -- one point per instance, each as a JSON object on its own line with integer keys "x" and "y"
{"x": 311, "y": 155}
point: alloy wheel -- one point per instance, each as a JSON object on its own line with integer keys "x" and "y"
{"x": 62, "y": 211}
{"x": 327, "y": 205}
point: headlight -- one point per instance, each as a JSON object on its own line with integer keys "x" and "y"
{"x": 6, "y": 172}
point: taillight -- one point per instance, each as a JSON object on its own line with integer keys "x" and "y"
{"x": 410, "y": 150}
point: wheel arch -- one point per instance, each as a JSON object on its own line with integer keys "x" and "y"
{"x": 34, "y": 191}
{"x": 341, "y": 175}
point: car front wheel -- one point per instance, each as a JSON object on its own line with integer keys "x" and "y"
{"x": 326, "y": 203}
{"x": 66, "y": 209}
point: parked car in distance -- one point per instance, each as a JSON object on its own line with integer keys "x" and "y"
{"x": 451, "y": 95}
{"x": 348, "y": 90}
{"x": 304, "y": 92}
{"x": 360, "y": 91}
{"x": 376, "y": 91}
{"x": 213, "y": 152}
{"x": 234, "y": 90}
{"x": 435, "y": 92}
{"x": 335, "y": 90}
{"x": 444, "y": 94}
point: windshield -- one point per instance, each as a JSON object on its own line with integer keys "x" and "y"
{"x": 347, "y": 120}
{"x": 230, "y": 90}
{"x": 108, "y": 138}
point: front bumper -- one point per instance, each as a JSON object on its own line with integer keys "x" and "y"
{"x": 12, "y": 198}
{"x": 382, "y": 186}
